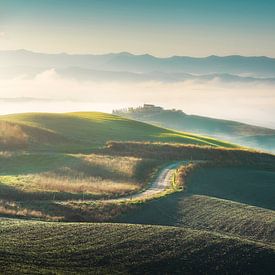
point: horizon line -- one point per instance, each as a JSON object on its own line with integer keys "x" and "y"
{"x": 135, "y": 54}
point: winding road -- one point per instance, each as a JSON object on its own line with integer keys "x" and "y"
{"x": 162, "y": 182}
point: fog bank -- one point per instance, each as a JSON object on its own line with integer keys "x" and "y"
{"x": 252, "y": 103}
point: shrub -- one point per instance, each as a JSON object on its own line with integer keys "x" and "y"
{"x": 12, "y": 136}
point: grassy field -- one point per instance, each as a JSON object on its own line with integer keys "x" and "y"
{"x": 55, "y": 167}
{"x": 135, "y": 249}
{"x": 82, "y": 132}
{"x": 57, "y": 186}
{"x": 47, "y": 159}
{"x": 227, "y": 217}
{"x": 176, "y": 151}
{"x": 245, "y": 185}
{"x": 207, "y": 213}
{"x": 31, "y": 176}
{"x": 240, "y": 133}
{"x": 219, "y": 199}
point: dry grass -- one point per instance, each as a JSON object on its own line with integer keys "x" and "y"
{"x": 88, "y": 185}
{"x": 179, "y": 180}
{"x": 92, "y": 174}
{"x": 6, "y": 154}
{"x": 13, "y": 209}
{"x": 12, "y": 136}
{"x": 96, "y": 211}
{"x": 172, "y": 152}
{"x": 123, "y": 166}
{"x": 45, "y": 177}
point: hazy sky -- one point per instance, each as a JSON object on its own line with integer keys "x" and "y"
{"x": 162, "y": 28}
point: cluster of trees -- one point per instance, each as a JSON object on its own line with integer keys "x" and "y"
{"x": 146, "y": 108}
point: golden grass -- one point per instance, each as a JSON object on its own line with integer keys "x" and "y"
{"x": 6, "y": 154}
{"x": 124, "y": 166}
{"x": 179, "y": 180}
{"x": 13, "y": 209}
{"x": 97, "y": 211}
{"x": 88, "y": 185}
{"x": 94, "y": 175}
{"x": 12, "y": 135}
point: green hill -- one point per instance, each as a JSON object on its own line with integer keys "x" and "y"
{"x": 136, "y": 249}
{"x": 230, "y": 200}
{"x": 241, "y": 133}
{"x": 227, "y": 217}
{"x": 252, "y": 186}
{"x": 207, "y": 213}
{"x": 72, "y": 132}
{"x": 49, "y": 185}
{"x": 213, "y": 226}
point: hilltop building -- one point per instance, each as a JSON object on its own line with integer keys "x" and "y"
{"x": 152, "y": 107}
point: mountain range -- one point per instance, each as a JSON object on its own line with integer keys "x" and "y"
{"x": 258, "y": 66}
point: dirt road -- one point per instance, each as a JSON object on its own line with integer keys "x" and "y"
{"x": 163, "y": 181}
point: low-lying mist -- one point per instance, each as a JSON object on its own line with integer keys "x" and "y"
{"x": 48, "y": 91}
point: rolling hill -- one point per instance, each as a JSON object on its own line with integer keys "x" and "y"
{"x": 120, "y": 248}
{"x": 236, "y": 132}
{"x": 231, "y": 193}
{"x": 69, "y": 187}
{"x": 73, "y": 132}
{"x": 229, "y": 200}
{"x": 222, "y": 221}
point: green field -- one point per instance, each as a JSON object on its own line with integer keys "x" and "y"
{"x": 136, "y": 249}
{"x": 58, "y": 167}
{"x": 41, "y": 185}
{"x": 62, "y": 176}
{"x": 49, "y": 158}
{"x": 240, "y": 133}
{"x": 246, "y": 185}
{"x": 69, "y": 187}
{"x": 211, "y": 201}
{"x": 82, "y": 132}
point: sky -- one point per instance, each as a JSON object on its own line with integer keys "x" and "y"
{"x": 161, "y": 28}
{"x": 157, "y": 27}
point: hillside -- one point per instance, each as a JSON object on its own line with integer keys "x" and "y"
{"x": 220, "y": 221}
{"x": 206, "y": 213}
{"x": 104, "y": 248}
{"x": 73, "y": 132}
{"x": 240, "y": 133}
{"x": 232, "y": 185}
{"x": 237, "y": 201}
{"x": 70, "y": 187}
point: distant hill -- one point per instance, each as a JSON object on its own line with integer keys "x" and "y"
{"x": 244, "y": 134}
{"x": 72, "y": 132}
{"x": 257, "y": 66}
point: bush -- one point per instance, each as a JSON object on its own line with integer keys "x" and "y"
{"x": 12, "y": 136}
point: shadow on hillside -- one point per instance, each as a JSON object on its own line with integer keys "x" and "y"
{"x": 11, "y": 193}
{"x": 251, "y": 186}
{"x": 242, "y": 185}
{"x": 163, "y": 211}
{"x": 60, "y": 165}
